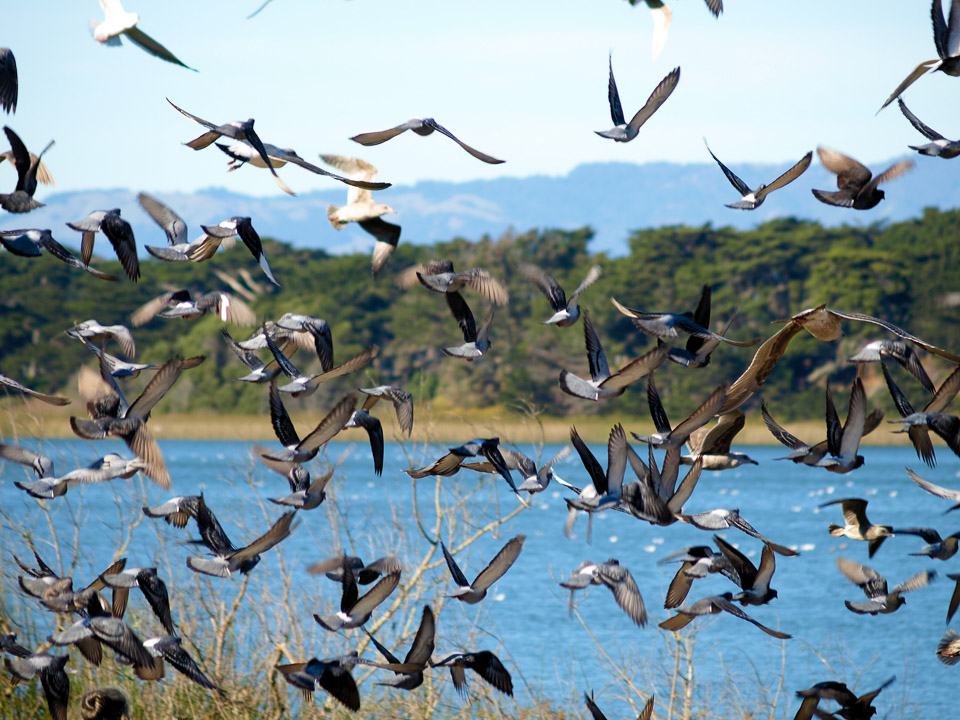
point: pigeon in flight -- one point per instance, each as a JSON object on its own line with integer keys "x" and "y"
{"x": 21, "y": 199}
{"x": 423, "y": 127}
{"x": 858, "y": 188}
{"x": 752, "y": 199}
{"x": 622, "y": 131}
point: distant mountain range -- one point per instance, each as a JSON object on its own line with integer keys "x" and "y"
{"x": 612, "y": 198}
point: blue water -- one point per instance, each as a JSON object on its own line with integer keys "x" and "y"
{"x": 525, "y": 617}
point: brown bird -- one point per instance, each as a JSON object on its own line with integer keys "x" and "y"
{"x": 856, "y": 525}
{"x": 858, "y": 188}
{"x": 21, "y": 199}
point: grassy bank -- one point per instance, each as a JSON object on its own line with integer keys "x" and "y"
{"x": 34, "y": 419}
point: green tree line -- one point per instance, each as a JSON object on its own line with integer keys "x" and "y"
{"x": 907, "y": 273}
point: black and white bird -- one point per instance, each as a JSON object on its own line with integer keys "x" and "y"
{"x": 153, "y": 588}
{"x": 946, "y": 38}
{"x": 118, "y": 232}
{"x": 356, "y": 609}
{"x": 331, "y": 674}
{"x": 92, "y": 331}
{"x": 29, "y": 243}
{"x": 566, "y": 311}
{"x": 237, "y": 130}
{"x": 938, "y": 146}
{"x": 473, "y": 592}
{"x": 484, "y": 663}
{"x": 602, "y": 383}
{"x": 623, "y": 131}
{"x": 169, "y": 648}
{"x": 752, "y": 199}
{"x": 53, "y": 678}
{"x": 880, "y": 350}
{"x": 667, "y": 436}
{"x": 301, "y": 450}
{"x": 409, "y": 672}
{"x": 920, "y": 424}
{"x": 449, "y": 464}
{"x": 229, "y": 559}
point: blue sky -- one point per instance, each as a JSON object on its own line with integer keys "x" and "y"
{"x": 524, "y": 80}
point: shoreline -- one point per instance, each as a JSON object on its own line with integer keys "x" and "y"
{"x": 34, "y": 419}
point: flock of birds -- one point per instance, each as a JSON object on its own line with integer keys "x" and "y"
{"x": 655, "y": 493}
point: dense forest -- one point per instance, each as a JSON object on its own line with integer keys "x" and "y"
{"x": 907, "y": 273}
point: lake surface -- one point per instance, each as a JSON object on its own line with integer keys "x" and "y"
{"x": 525, "y": 617}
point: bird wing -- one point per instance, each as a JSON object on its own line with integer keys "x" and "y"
{"x": 729, "y": 607}
{"x": 279, "y": 531}
{"x": 375, "y": 432}
{"x": 8, "y": 80}
{"x": 921, "y": 579}
{"x": 376, "y": 595}
{"x": 869, "y": 580}
{"x": 923, "y": 129}
{"x": 158, "y": 386}
{"x": 951, "y": 39}
{"x": 596, "y": 358}
{"x": 746, "y": 570}
{"x": 918, "y": 72}
{"x": 853, "y": 425}
{"x": 659, "y": 95}
{"x": 499, "y": 565}
{"x": 945, "y": 393}
{"x": 461, "y": 311}
{"x": 546, "y": 284}
{"x": 739, "y": 184}
{"x": 890, "y": 327}
{"x": 625, "y": 591}
{"x": 933, "y": 489}
{"x": 423, "y": 642}
{"x": 146, "y": 42}
{"x": 40, "y": 464}
{"x": 174, "y": 654}
{"x": 717, "y": 440}
{"x": 788, "y": 177}
{"x": 433, "y": 124}
{"x": 702, "y": 415}
{"x": 892, "y": 172}
{"x": 172, "y": 224}
{"x": 333, "y": 423}
{"x": 849, "y": 172}
{"x": 381, "y": 136}
{"x": 455, "y": 571}
{"x": 595, "y": 712}
{"x": 613, "y": 97}
{"x": 597, "y": 476}
{"x": 637, "y": 369}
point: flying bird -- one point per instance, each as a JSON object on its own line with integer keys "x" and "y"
{"x": 668, "y": 326}
{"x": 238, "y": 130}
{"x": 53, "y": 678}
{"x": 27, "y": 165}
{"x": 711, "y": 444}
{"x": 938, "y": 490}
{"x": 722, "y": 519}
{"x": 228, "y": 559}
{"x": 401, "y": 399}
{"x": 472, "y": 593}
{"x": 241, "y": 153}
{"x": 843, "y": 442}
{"x": 153, "y": 588}
{"x": 360, "y": 206}
{"x": 946, "y": 38}
{"x": 856, "y": 525}
{"x": 29, "y": 243}
{"x": 566, "y": 312}
{"x": 622, "y": 131}
{"x": 332, "y": 674}
{"x": 618, "y": 579}
{"x": 92, "y": 331}
{"x": 938, "y": 548}
{"x": 450, "y": 463}
{"x": 880, "y": 350}
{"x": 603, "y": 383}
{"x": 938, "y": 146}
{"x": 948, "y": 649}
{"x": 714, "y": 605}
{"x": 241, "y": 227}
{"x": 9, "y": 84}
{"x": 916, "y": 430}
{"x": 301, "y": 450}
{"x": 422, "y": 127}
{"x": 874, "y": 586}
{"x": 440, "y": 276}
{"x": 355, "y": 610}
{"x": 180, "y": 304}
{"x": 858, "y": 187}
{"x": 409, "y": 672}
{"x": 117, "y": 22}
{"x": 476, "y": 341}
{"x": 118, "y": 232}
{"x": 752, "y": 199}
{"x": 170, "y": 649}
{"x": 753, "y": 581}
{"x": 697, "y": 562}
{"x": 484, "y": 663}
{"x": 665, "y": 437}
